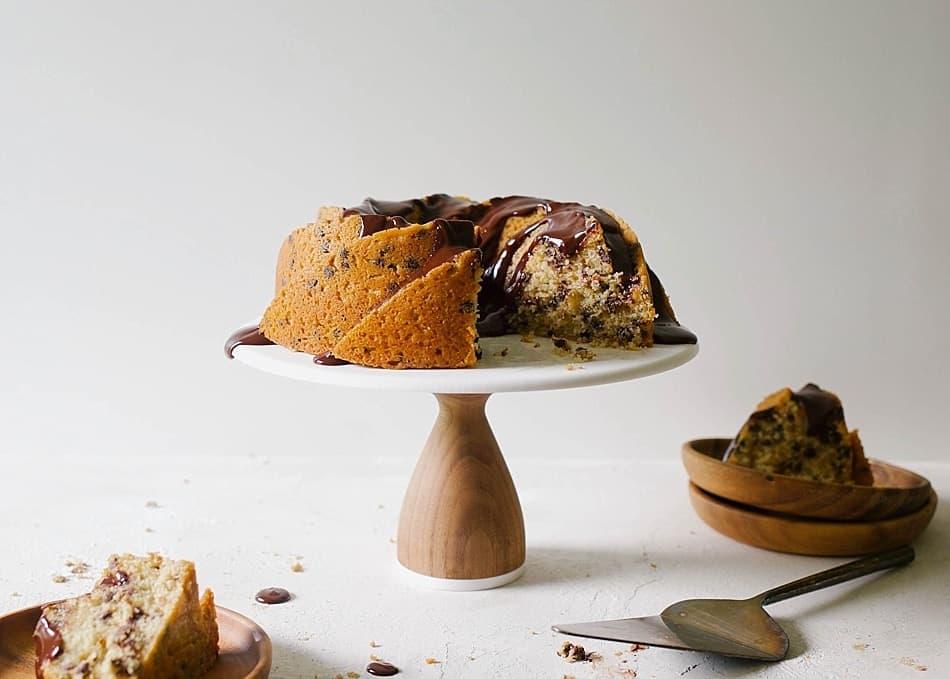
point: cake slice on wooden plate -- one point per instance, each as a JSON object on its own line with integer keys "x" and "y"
{"x": 143, "y": 619}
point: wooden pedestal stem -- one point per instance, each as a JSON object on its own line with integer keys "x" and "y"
{"x": 461, "y": 518}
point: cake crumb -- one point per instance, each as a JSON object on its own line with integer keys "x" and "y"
{"x": 584, "y": 354}
{"x": 374, "y": 657}
{"x": 373, "y": 644}
{"x": 561, "y": 346}
{"x": 149, "y": 530}
{"x": 912, "y": 662}
{"x": 14, "y": 594}
{"x": 431, "y": 661}
{"x": 353, "y": 675}
{"x": 528, "y": 339}
{"x": 574, "y": 653}
{"x": 859, "y": 647}
{"x": 638, "y": 647}
{"x": 59, "y": 579}
{"x": 151, "y": 504}
{"x": 296, "y": 566}
{"x": 77, "y": 567}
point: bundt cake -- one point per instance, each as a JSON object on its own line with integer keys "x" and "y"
{"x": 801, "y": 433}
{"x": 412, "y": 284}
{"x": 143, "y": 619}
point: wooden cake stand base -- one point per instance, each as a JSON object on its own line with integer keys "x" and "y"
{"x": 461, "y": 526}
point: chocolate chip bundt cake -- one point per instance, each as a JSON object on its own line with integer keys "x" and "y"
{"x": 801, "y": 433}
{"x": 143, "y": 619}
{"x": 412, "y": 284}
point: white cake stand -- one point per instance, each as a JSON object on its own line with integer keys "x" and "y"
{"x": 461, "y": 526}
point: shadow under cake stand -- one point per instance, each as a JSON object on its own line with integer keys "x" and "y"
{"x": 461, "y": 526}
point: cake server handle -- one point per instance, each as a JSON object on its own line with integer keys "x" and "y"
{"x": 832, "y": 576}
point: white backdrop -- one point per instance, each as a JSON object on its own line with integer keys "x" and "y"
{"x": 785, "y": 164}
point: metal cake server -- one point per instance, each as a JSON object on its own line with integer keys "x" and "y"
{"x": 735, "y": 627}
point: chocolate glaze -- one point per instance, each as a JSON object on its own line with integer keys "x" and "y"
{"x": 47, "y": 640}
{"x": 666, "y": 329}
{"x": 272, "y": 595}
{"x": 250, "y": 334}
{"x": 327, "y": 358}
{"x": 382, "y": 669}
{"x": 822, "y": 409}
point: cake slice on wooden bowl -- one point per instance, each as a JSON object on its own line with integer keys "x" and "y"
{"x": 143, "y": 619}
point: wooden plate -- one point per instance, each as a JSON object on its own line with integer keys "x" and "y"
{"x": 244, "y": 648}
{"x": 895, "y": 492}
{"x": 815, "y": 537}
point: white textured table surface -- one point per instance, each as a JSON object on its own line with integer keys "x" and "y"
{"x": 605, "y": 540}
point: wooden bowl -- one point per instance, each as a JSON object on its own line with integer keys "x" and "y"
{"x": 895, "y": 492}
{"x": 814, "y": 537}
{"x": 244, "y": 649}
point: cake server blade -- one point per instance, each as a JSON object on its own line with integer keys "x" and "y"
{"x": 651, "y": 631}
{"x": 734, "y": 627}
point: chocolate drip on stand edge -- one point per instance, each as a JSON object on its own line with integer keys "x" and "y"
{"x": 249, "y": 334}
{"x": 47, "y": 641}
{"x": 327, "y": 358}
{"x": 666, "y": 329}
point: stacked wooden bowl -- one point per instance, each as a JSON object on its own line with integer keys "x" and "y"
{"x": 798, "y": 516}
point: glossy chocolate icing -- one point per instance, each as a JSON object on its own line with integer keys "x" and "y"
{"x": 563, "y": 225}
{"x": 272, "y": 595}
{"x": 382, "y": 669}
{"x": 822, "y": 409}
{"x": 47, "y": 640}
{"x": 249, "y": 334}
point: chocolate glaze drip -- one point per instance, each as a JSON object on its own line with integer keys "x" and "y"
{"x": 47, "y": 640}
{"x": 378, "y": 215}
{"x": 327, "y": 358}
{"x": 666, "y": 329}
{"x": 272, "y": 595}
{"x": 382, "y": 669}
{"x": 822, "y": 409}
{"x": 250, "y": 334}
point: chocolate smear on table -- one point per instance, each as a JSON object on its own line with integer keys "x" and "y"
{"x": 382, "y": 669}
{"x": 272, "y": 595}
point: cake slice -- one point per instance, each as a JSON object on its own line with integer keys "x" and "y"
{"x": 143, "y": 619}
{"x": 417, "y": 329}
{"x": 801, "y": 433}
